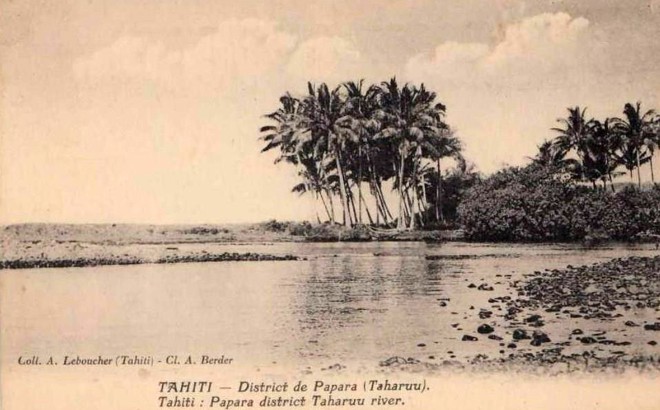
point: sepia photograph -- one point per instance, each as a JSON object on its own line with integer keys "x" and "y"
{"x": 414, "y": 204}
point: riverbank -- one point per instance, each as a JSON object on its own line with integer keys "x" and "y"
{"x": 271, "y": 231}
{"x": 68, "y": 245}
{"x": 60, "y": 246}
{"x": 599, "y": 318}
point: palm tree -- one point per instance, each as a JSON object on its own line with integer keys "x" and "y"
{"x": 601, "y": 144}
{"x": 332, "y": 134}
{"x": 636, "y": 128}
{"x": 573, "y": 134}
{"x": 290, "y": 134}
{"x": 340, "y": 138}
{"x": 411, "y": 119}
{"x": 444, "y": 145}
{"x": 652, "y": 141}
{"x": 360, "y": 106}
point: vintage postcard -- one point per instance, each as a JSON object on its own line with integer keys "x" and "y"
{"x": 399, "y": 204}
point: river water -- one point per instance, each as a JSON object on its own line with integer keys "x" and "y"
{"x": 349, "y": 304}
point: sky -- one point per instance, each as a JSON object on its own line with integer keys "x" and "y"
{"x": 148, "y": 111}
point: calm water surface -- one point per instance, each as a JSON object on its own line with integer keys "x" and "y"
{"x": 348, "y": 303}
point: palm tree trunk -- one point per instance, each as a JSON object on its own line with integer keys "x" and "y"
{"x": 388, "y": 213}
{"x": 332, "y": 204}
{"x": 438, "y": 188}
{"x": 412, "y": 202}
{"x": 359, "y": 184}
{"x": 342, "y": 189}
{"x": 400, "y": 223}
{"x": 379, "y": 208}
{"x": 420, "y": 209}
{"x": 366, "y": 208}
{"x": 408, "y": 207}
{"x": 639, "y": 175}
{"x": 423, "y": 203}
{"x": 325, "y": 206}
{"x": 351, "y": 201}
{"x": 651, "y": 165}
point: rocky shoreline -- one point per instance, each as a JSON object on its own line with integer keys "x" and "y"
{"x": 136, "y": 260}
{"x": 536, "y": 329}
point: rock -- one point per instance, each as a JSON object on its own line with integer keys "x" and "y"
{"x": 587, "y": 340}
{"x": 494, "y": 337}
{"x": 520, "y": 334}
{"x": 652, "y": 326}
{"x": 485, "y": 286}
{"x": 421, "y": 345}
{"x": 631, "y": 323}
{"x": 395, "y": 360}
{"x": 472, "y": 285}
{"x": 485, "y": 329}
{"x": 512, "y": 346}
{"x": 485, "y": 314}
{"x": 533, "y": 318}
{"x": 653, "y": 343}
{"x": 577, "y": 332}
{"x": 468, "y": 338}
{"x": 538, "y": 338}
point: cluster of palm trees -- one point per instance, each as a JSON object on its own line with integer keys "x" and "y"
{"x": 345, "y": 139}
{"x": 592, "y": 150}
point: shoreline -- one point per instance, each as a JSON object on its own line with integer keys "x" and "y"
{"x": 131, "y": 260}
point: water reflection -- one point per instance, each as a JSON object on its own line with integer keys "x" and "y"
{"x": 342, "y": 304}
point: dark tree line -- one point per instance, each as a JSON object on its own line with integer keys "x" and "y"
{"x": 592, "y": 150}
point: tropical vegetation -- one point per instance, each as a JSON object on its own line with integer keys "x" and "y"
{"x": 539, "y": 203}
{"x": 350, "y": 141}
{"x": 594, "y": 151}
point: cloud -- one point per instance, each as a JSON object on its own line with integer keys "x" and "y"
{"x": 236, "y": 50}
{"x": 330, "y": 59}
{"x": 539, "y": 44}
{"x": 503, "y": 97}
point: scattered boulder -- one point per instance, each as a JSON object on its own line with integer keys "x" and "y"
{"x": 485, "y": 329}
{"x": 485, "y": 314}
{"x": 652, "y": 326}
{"x": 394, "y": 360}
{"x": 538, "y": 338}
{"x": 485, "y": 286}
{"x": 468, "y": 338}
{"x": 587, "y": 340}
{"x": 520, "y": 334}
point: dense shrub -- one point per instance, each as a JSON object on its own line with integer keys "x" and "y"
{"x": 537, "y": 204}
